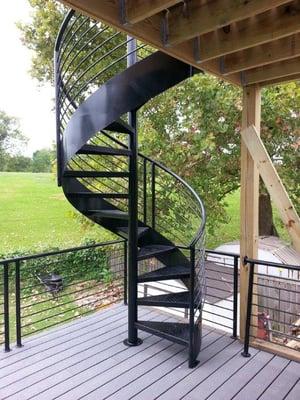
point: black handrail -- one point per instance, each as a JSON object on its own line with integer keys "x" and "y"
{"x": 182, "y": 181}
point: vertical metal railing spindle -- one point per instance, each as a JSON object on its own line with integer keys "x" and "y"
{"x": 192, "y": 310}
{"x": 6, "y": 307}
{"x": 18, "y": 304}
{"x": 125, "y": 273}
{"x": 153, "y": 188}
{"x": 235, "y": 296}
{"x": 145, "y": 190}
{"x": 245, "y": 352}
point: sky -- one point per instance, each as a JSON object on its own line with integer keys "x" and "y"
{"x": 20, "y": 95}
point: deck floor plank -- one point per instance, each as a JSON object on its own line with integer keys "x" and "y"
{"x": 86, "y": 359}
{"x": 294, "y": 394}
{"x": 281, "y": 386}
{"x": 266, "y": 376}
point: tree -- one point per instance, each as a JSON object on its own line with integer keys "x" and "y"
{"x": 40, "y": 34}
{"x": 42, "y": 160}
{"x": 195, "y": 128}
{"x": 11, "y": 138}
{"x": 18, "y": 163}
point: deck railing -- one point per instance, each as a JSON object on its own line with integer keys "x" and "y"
{"x": 273, "y": 306}
{"x": 44, "y": 290}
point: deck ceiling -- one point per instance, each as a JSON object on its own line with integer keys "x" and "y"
{"x": 244, "y": 42}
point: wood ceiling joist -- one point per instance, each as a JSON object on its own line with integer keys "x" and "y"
{"x": 137, "y": 10}
{"x": 218, "y": 51}
{"x": 200, "y": 18}
{"x": 279, "y": 50}
{"x": 146, "y": 30}
{"x": 290, "y": 78}
{"x": 269, "y": 26}
{"x": 272, "y": 71}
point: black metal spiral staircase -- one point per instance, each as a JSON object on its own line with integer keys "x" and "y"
{"x": 102, "y": 79}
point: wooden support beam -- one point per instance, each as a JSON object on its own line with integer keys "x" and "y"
{"x": 201, "y": 18}
{"x": 273, "y": 183}
{"x": 267, "y": 27}
{"x": 272, "y": 71}
{"x": 268, "y": 53}
{"x": 249, "y": 197}
{"x": 138, "y": 10}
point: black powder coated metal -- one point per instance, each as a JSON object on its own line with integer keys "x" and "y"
{"x": 80, "y": 118}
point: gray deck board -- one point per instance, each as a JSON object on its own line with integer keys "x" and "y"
{"x": 267, "y": 375}
{"x": 86, "y": 359}
{"x": 294, "y": 394}
{"x": 281, "y": 386}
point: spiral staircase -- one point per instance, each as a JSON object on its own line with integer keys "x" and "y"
{"x": 102, "y": 78}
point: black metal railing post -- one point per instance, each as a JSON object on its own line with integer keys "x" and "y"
{"x": 6, "y": 307}
{"x": 235, "y": 295}
{"x": 18, "y": 305}
{"x": 132, "y": 339}
{"x": 125, "y": 273}
{"x": 153, "y": 195}
{"x": 245, "y": 352}
{"x": 58, "y": 112}
{"x": 145, "y": 189}
{"x": 192, "y": 360}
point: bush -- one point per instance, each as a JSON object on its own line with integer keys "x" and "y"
{"x": 83, "y": 265}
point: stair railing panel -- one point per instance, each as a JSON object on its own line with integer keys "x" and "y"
{"x": 90, "y": 65}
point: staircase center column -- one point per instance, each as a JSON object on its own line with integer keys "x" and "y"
{"x": 132, "y": 339}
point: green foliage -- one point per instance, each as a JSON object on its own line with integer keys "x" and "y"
{"x": 18, "y": 163}
{"x": 39, "y": 36}
{"x": 194, "y": 129}
{"x": 42, "y": 160}
{"x": 89, "y": 264}
{"x": 11, "y": 138}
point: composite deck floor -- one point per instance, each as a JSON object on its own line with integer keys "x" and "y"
{"x": 86, "y": 359}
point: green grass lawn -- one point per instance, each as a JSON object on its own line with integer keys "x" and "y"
{"x": 34, "y": 214}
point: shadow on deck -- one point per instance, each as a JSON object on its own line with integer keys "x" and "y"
{"x": 86, "y": 359}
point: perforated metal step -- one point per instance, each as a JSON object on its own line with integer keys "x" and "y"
{"x": 172, "y": 272}
{"x": 175, "y": 300}
{"x": 174, "y": 331}
{"x": 103, "y": 150}
{"x": 154, "y": 250}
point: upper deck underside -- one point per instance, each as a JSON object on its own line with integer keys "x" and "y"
{"x": 243, "y": 42}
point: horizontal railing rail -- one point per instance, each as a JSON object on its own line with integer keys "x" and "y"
{"x": 273, "y": 305}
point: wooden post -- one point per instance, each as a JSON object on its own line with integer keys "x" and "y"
{"x": 249, "y": 196}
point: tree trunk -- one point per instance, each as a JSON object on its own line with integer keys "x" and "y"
{"x": 266, "y": 224}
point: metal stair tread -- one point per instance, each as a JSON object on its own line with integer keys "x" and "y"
{"x": 176, "y": 300}
{"x": 95, "y": 174}
{"x": 141, "y": 230}
{"x": 120, "y": 126}
{"x": 101, "y": 195}
{"x": 154, "y": 250}
{"x": 175, "y": 331}
{"x": 165, "y": 273}
{"x": 109, "y": 213}
{"x": 103, "y": 150}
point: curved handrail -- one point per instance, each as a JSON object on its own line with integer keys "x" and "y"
{"x": 182, "y": 181}
{"x": 65, "y": 154}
